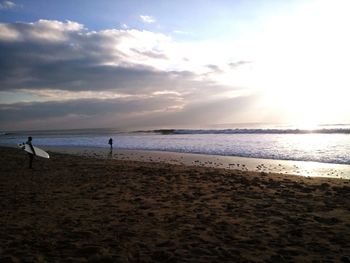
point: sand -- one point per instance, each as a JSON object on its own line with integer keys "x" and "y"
{"x": 82, "y": 209}
{"x": 302, "y": 168}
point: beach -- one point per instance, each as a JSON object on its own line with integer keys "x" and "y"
{"x": 301, "y": 168}
{"x": 84, "y": 209}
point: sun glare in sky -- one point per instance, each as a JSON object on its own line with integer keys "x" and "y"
{"x": 281, "y": 62}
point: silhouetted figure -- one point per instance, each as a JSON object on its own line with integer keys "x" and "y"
{"x": 110, "y": 142}
{"x": 30, "y": 155}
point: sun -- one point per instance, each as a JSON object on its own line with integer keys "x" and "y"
{"x": 301, "y": 65}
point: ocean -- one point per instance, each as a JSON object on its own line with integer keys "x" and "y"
{"x": 326, "y": 144}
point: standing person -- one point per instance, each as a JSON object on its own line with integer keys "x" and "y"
{"x": 110, "y": 142}
{"x": 30, "y": 155}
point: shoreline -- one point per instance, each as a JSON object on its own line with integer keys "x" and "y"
{"x": 82, "y": 209}
{"x": 300, "y": 168}
{"x": 295, "y": 167}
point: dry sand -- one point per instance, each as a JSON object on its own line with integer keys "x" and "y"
{"x": 80, "y": 209}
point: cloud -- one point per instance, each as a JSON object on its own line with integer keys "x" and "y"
{"x": 55, "y": 55}
{"x": 64, "y": 55}
{"x": 49, "y": 31}
{"x": 165, "y": 109}
{"x": 7, "y": 5}
{"x": 200, "y": 114}
{"x": 214, "y": 68}
{"x": 238, "y": 63}
{"x": 147, "y": 19}
{"x": 85, "y": 107}
{"x": 50, "y": 54}
{"x": 151, "y": 54}
{"x": 102, "y": 111}
{"x": 64, "y": 95}
{"x": 72, "y": 76}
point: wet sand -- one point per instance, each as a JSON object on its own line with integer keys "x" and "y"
{"x": 312, "y": 169}
{"x": 83, "y": 209}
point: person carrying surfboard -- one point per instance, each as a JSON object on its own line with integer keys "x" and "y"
{"x": 31, "y": 155}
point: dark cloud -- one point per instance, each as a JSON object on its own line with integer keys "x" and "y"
{"x": 157, "y": 111}
{"x": 81, "y": 74}
{"x": 63, "y": 56}
{"x": 88, "y": 107}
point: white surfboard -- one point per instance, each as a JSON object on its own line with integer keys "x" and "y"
{"x": 38, "y": 151}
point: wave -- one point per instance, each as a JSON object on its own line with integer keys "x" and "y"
{"x": 254, "y": 131}
{"x": 109, "y": 131}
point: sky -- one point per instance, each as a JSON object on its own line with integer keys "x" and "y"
{"x": 132, "y": 64}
